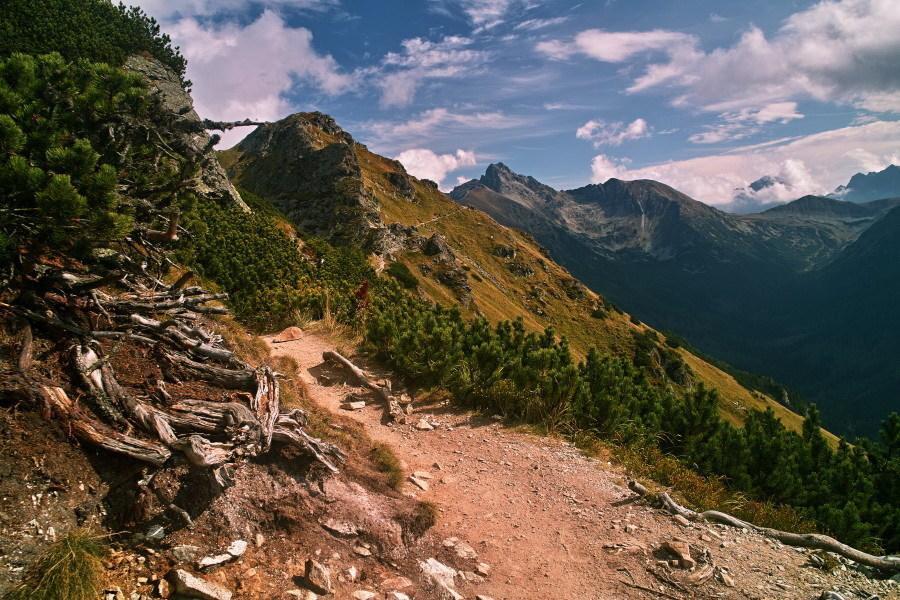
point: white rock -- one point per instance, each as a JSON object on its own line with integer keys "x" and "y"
{"x": 465, "y": 551}
{"x": 438, "y": 572}
{"x": 424, "y": 425}
{"x": 355, "y": 405}
{"x": 364, "y": 595}
{"x": 341, "y": 528}
{"x": 317, "y": 577}
{"x": 214, "y": 561}
{"x": 422, "y": 474}
{"x": 397, "y": 596}
{"x": 237, "y": 548}
{"x": 192, "y": 586}
{"x": 419, "y": 483}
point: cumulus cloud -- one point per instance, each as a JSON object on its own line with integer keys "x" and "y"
{"x": 844, "y": 51}
{"x": 425, "y": 164}
{"x": 813, "y": 164}
{"x": 607, "y": 167}
{"x": 235, "y": 77}
{"x": 403, "y": 72}
{"x": 601, "y": 133}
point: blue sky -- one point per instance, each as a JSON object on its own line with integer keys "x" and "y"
{"x": 706, "y": 96}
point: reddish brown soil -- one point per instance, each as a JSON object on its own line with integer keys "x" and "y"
{"x": 552, "y": 522}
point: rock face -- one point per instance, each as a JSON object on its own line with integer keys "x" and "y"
{"x": 211, "y": 182}
{"x": 305, "y": 165}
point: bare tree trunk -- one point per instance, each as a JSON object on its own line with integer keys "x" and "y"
{"x": 392, "y": 408}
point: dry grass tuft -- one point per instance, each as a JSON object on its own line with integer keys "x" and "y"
{"x": 387, "y": 462}
{"x": 69, "y": 569}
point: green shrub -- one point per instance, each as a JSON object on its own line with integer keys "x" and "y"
{"x": 77, "y": 168}
{"x": 97, "y": 30}
{"x": 401, "y": 273}
{"x": 787, "y": 479}
{"x": 270, "y": 281}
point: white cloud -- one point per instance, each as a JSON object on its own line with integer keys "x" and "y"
{"x": 403, "y": 72}
{"x": 166, "y": 10}
{"x": 429, "y": 125}
{"x": 486, "y": 14}
{"x": 536, "y": 24}
{"x": 746, "y": 122}
{"x": 615, "y": 46}
{"x": 235, "y": 76}
{"x": 844, "y": 51}
{"x": 814, "y": 164}
{"x": 612, "y": 134}
{"x": 566, "y": 106}
{"x": 425, "y": 164}
{"x": 607, "y": 167}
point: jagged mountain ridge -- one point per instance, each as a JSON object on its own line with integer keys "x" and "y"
{"x": 714, "y": 277}
{"x": 873, "y": 185}
{"x": 459, "y": 256}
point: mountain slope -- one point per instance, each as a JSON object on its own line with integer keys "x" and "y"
{"x": 462, "y": 256}
{"x": 715, "y": 278}
{"x": 843, "y": 325}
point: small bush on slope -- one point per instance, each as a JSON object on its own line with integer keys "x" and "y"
{"x": 271, "y": 283}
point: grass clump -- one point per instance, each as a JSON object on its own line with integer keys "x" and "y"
{"x": 69, "y": 569}
{"x": 387, "y": 462}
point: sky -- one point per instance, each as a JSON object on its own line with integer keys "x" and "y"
{"x": 706, "y": 96}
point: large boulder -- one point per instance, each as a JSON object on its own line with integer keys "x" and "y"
{"x": 211, "y": 182}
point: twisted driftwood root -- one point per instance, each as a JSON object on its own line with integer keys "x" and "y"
{"x": 815, "y": 541}
{"x": 392, "y": 409}
{"x": 151, "y": 427}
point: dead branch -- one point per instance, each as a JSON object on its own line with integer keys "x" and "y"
{"x": 815, "y": 541}
{"x": 170, "y": 235}
{"x": 392, "y": 409}
{"x": 90, "y": 430}
{"x": 25, "y": 354}
{"x": 226, "y": 125}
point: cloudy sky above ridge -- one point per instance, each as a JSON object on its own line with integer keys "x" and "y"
{"x": 706, "y": 96}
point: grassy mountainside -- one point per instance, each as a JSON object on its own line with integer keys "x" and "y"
{"x": 507, "y": 273}
{"x": 721, "y": 281}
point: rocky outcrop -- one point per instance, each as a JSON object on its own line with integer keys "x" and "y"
{"x": 211, "y": 182}
{"x": 305, "y": 164}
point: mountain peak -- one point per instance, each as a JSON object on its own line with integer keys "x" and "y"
{"x": 874, "y": 185}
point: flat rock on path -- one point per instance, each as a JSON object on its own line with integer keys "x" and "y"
{"x": 542, "y": 515}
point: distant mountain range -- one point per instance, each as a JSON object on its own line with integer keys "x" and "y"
{"x": 864, "y": 187}
{"x": 735, "y": 286}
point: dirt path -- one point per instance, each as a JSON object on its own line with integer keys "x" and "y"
{"x": 550, "y": 522}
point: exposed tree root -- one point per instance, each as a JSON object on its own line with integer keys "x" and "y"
{"x": 815, "y": 541}
{"x": 214, "y": 435}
